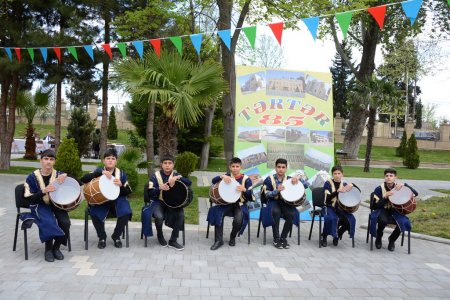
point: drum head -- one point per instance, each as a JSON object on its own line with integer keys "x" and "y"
{"x": 350, "y": 198}
{"x": 228, "y": 192}
{"x": 292, "y": 192}
{"x": 66, "y": 192}
{"x": 108, "y": 189}
{"x": 176, "y": 196}
{"x": 401, "y": 196}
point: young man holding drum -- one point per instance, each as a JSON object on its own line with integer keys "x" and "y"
{"x": 53, "y": 223}
{"x": 164, "y": 180}
{"x": 120, "y": 206}
{"x": 236, "y": 210}
{"x": 384, "y": 213}
{"x": 276, "y": 207}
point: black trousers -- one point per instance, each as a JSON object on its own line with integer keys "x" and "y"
{"x": 233, "y": 210}
{"x": 281, "y": 208}
{"x": 343, "y": 224}
{"x": 384, "y": 218}
{"x": 174, "y": 218}
{"x": 118, "y": 230}
{"x": 62, "y": 217}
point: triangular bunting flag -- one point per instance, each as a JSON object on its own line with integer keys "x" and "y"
{"x": 344, "y": 20}
{"x": 176, "y": 40}
{"x": 225, "y": 35}
{"x": 73, "y": 51}
{"x": 378, "y": 13}
{"x": 58, "y": 53}
{"x": 412, "y": 8}
{"x": 17, "y": 50}
{"x": 312, "y": 24}
{"x": 277, "y": 29}
{"x": 107, "y": 48}
{"x": 31, "y": 53}
{"x": 139, "y": 45}
{"x": 44, "y": 54}
{"x": 90, "y": 51}
{"x": 123, "y": 49}
{"x": 196, "y": 40}
{"x": 8, "y": 51}
{"x": 156, "y": 43}
{"x": 250, "y": 33}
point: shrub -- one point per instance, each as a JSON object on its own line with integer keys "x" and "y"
{"x": 112, "y": 126}
{"x": 186, "y": 163}
{"x": 400, "y": 150}
{"x": 411, "y": 159}
{"x": 68, "y": 159}
{"x": 80, "y": 129}
{"x": 128, "y": 162}
{"x": 136, "y": 141}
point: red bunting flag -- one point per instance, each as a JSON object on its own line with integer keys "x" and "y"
{"x": 107, "y": 48}
{"x": 277, "y": 29}
{"x": 17, "y": 50}
{"x": 156, "y": 43}
{"x": 378, "y": 13}
{"x": 58, "y": 53}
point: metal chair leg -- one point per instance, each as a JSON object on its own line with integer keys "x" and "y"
{"x": 264, "y": 240}
{"x": 25, "y": 243}
{"x": 15, "y": 232}
{"x": 353, "y": 242}
{"x": 403, "y": 238}
{"x": 86, "y": 229}
{"x": 312, "y": 224}
{"x": 298, "y": 232}
{"x": 207, "y": 231}
{"x": 320, "y": 231}
{"x": 259, "y": 224}
{"x": 69, "y": 244}
{"x": 409, "y": 242}
{"x": 368, "y": 230}
{"x": 248, "y": 225}
{"x": 184, "y": 235}
{"x": 127, "y": 237}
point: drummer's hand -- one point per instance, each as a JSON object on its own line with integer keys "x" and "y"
{"x": 107, "y": 174}
{"x": 61, "y": 178}
{"x": 226, "y": 178}
{"x": 117, "y": 182}
{"x": 295, "y": 180}
{"x": 341, "y": 190}
{"x": 172, "y": 180}
{"x": 348, "y": 187}
{"x": 390, "y": 193}
{"x": 398, "y": 186}
{"x": 164, "y": 187}
{"x": 49, "y": 188}
{"x": 280, "y": 188}
{"x": 241, "y": 188}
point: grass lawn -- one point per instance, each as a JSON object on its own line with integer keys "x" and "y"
{"x": 432, "y": 217}
{"x": 217, "y": 165}
{"x": 442, "y": 191}
{"x": 403, "y": 173}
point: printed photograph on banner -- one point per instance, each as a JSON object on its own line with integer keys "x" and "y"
{"x": 253, "y": 156}
{"x": 318, "y": 160}
{"x": 318, "y": 88}
{"x": 249, "y": 134}
{"x": 321, "y": 137}
{"x": 293, "y": 153}
{"x": 285, "y": 83}
{"x": 297, "y": 135}
{"x": 252, "y": 82}
{"x": 257, "y": 182}
{"x": 273, "y": 133}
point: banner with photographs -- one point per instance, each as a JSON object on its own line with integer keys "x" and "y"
{"x": 283, "y": 114}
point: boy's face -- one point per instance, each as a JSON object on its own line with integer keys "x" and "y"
{"x": 167, "y": 166}
{"x": 281, "y": 169}
{"x": 390, "y": 178}
{"x": 110, "y": 162}
{"x": 47, "y": 162}
{"x": 337, "y": 175}
{"x": 235, "y": 168}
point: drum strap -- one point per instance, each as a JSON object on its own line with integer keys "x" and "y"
{"x": 388, "y": 205}
{"x": 333, "y": 189}
{"x": 161, "y": 182}
{"x": 41, "y": 183}
{"x": 242, "y": 198}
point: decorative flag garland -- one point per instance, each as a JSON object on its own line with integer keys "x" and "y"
{"x": 411, "y": 9}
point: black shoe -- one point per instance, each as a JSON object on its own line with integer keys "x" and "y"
{"x": 49, "y": 256}
{"x": 335, "y": 241}
{"x": 323, "y": 242}
{"x": 279, "y": 244}
{"x": 391, "y": 246}
{"x": 117, "y": 243}
{"x": 175, "y": 245}
{"x": 217, "y": 245}
{"x": 232, "y": 242}
{"x": 275, "y": 241}
{"x": 378, "y": 243}
{"x": 57, "y": 254}
{"x": 285, "y": 244}
{"x": 101, "y": 244}
{"x": 162, "y": 241}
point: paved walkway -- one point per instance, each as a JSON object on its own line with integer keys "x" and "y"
{"x": 244, "y": 272}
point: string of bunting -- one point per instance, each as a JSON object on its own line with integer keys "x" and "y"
{"x": 411, "y": 9}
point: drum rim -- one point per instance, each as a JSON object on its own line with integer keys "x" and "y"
{"x": 181, "y": 205}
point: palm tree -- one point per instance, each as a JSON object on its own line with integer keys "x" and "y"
{"x": 180, "y": 86}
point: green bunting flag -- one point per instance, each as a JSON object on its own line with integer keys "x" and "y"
{"x": 344, "y": 20}
{"x": 73, "y": 51}
{"x": 123, "y": 49}
{"x": 31, "y": 53}
{"x": 176, "y": 40}
{"x": 250, "y": 33}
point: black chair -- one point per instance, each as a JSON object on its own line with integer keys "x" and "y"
{"x": 264, "y": 228}
{"x": 372, "y": 199}
{"x": 21, "y": 202}
{"x": 318, "y": 198}
{"x": 148, "y": 201}
{"x": 125, "y": 234}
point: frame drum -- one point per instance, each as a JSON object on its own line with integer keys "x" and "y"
{"x": 67, "y": 195}
{"x": 293, "y": 194}
{"x": 349, "y": 201}
{"x": 223, "y": 193}
{"x": 403, "y": 200}
{"x": 176, "y": 196}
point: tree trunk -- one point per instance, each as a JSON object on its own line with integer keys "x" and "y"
{"x": 150, "y": 139}
{"x": 5, "y": 84}
{"x": 105, "y": 79}
{"x": 8, "y": 125}
{"x": 209, "y": 116}
{"x": 167, "y": 136}
{"x": 370, "y": 134}
{"x": 58, "y": 115}
{"x": 30, "y": 143}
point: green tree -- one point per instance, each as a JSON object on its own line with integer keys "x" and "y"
{"x": 80, "y": 129}
{"x": 411, "y": 160}
{"x": 112, "y": 124}
{"x": 401, "y": 149}
{"x": 68, "y": 159}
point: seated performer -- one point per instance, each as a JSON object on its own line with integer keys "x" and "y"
{"x": 336, "y": 221}
{"x": 162, "y": 181}
{"x": 384, "y": 213}
{"x": 276, "y": 207}
{"x": 119, "y": 207}
{"x": 236, "y": 210}
{"x": 53, "y": 223}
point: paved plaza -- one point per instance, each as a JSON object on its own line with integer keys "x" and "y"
{"x": 244, "y": 272}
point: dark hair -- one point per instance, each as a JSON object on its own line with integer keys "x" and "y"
{"x": 281, "y": 161}
{"x": 391, "y": 171}
{"x": 110, "y": 152}
{"x": 48, "y": 153}
{"x": 167, "y": 157}
{"x": 235, "y": 160}
{"x": 337, "y": 168}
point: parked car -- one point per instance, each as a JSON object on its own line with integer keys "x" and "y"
{"x": 424, "y": 135}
